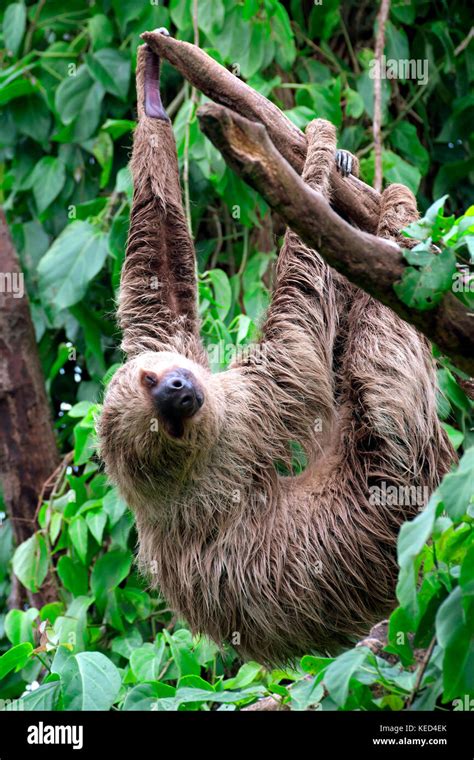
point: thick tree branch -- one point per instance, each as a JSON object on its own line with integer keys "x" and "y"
{"x": 372, "y": 263}
{"x": 352, "y": 198}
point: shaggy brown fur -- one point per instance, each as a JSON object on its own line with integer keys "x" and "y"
{"x": 278, "y": 565}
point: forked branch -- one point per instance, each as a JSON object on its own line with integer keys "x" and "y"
{"x": 350, "y": 196}
{"x": 370, "y": 262}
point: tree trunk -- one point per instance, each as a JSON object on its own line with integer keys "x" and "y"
{"x": 28, "y": 452}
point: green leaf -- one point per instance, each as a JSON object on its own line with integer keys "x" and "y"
{"x": 71, "y": 95}
{"x": 96, "y": 522}
{"x": 108, "y": 572}
{"x": 412, "y": 537}
{"x": 181, "y": 649}
{"x": 114, "y": 505}
{"x": 15, "y": 659}
{"x": 117, "y": 127}
{"x": 354, "y": 104}
{"x": 246, "y": 674}
{"x": 78, "y": 536}
{"x": 73, "y": 260}
{"x": 44, "y": 698}
{"x": 305, "y": 694}
{"x": 101, "y": 31}
{"x": 19, "y": 626}
{"x": 89, "y": 681}
{"x": 16, "y": 89}
{"x": 404, "y": 138}
{"x": 71, "y": 628}
{"x": 423, "y": 289}
{"x": 282, "y": 33}
{"x": 456, "y": 639}
{"x": 47, "y": 181}
{"x": 457, "y": 488}
{"x": 125, "y": 645}
{"x": 456, "y": 437}
{"x": 111, "y": 68}
{"x": 222, "y": 292}
{"x": 145, "y": 695}
{"x": 339, "y": 673}
{"x": 148, "y": 660}
{"x": 30, "y": 562}
{"x": 14, "y": 25}
{"x": 73, "y": 575}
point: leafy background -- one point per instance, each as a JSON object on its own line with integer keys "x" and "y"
{"x": 67, "y": 112}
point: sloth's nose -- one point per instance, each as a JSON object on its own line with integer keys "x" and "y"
{"x": 178, "y": 395}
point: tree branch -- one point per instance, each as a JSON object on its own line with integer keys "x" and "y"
{"x": 350, "y": 196}
{"x": 372, "y": 263}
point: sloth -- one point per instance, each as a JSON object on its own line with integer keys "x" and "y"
{"x": 278, "y": 565}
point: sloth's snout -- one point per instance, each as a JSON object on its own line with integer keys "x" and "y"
{"x": 177, "y": 394}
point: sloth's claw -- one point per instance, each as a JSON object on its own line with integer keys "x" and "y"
{"x": 153, "y": 105}
{"x": 344, "y": 162}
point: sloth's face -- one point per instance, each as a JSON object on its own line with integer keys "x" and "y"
{"x": 161, "y": 397}
{"x": 173, "y": 388}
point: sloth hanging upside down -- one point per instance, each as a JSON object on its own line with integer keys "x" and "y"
{"x": 279, "y": 565}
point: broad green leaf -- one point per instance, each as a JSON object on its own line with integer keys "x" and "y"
{"x": 423, "y": 289}
{"x": 456, "y": 639}
{"x": 246, "y": 674}
{"x": 114, "y": 505}
{"x": 147, "y": 662}
{"x": 117, "y": 127}
{"x": 412, "y": 537}
{"x": 72, "y": 93}
{"x": 73, "y": 575}
{"x": 181, "y": 649}
{"x": 89, "y": 681}
{"x": 73, "y": 260}
{"x": 15, "y": 659}
{"x": 125, "y": 645}
{"x": 30, "y": 562}
{"x": 16, "y": 89}
{"x": 101, "y": 31}
{"x": 96, "y": 522}
{"x": 306, "y": 694}
{"x": 145, "y": 695}
{"x": 78, "y": 536}
{"x": 457, "y": 488}
{"x": 71, "y": 628}
{"x": 14, "y": 24}
{"x": 338, "y": 675}
{"x": 19, "y": 625}
{"x": 111, "y": 68}
{"x": 108, "y": 572}
{"x": 43, "y": 699}
{"x": 47, "y": 181}
{"x": 222, "y": 291}
{"x": 282, "y": 33}
{"x": 404, "y": 138}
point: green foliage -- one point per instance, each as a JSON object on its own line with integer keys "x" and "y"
{"x": 68, "y": 106}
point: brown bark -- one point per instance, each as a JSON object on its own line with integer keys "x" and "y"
{"x": 28, "y": 452}
{"x": 351, "y": 197}
{"x": 372, "y": 263}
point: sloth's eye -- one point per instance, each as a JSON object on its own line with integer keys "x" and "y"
{"x": 150, "y": 380}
